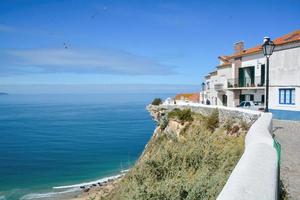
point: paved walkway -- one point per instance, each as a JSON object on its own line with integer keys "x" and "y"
{"x": 288, "y": 134}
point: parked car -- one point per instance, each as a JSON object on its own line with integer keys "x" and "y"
{"x": 250, "y": 105}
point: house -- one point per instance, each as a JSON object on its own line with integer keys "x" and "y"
{"x": 188, "y": 97}
{"x": 242, "y": 76}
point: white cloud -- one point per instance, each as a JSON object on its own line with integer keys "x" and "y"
{"x": 5, "y": 28}
{"x": 79, "y": 61}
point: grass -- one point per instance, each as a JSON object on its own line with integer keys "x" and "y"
{"x": 194, "y": 166}
{"x": 181, "y": 115}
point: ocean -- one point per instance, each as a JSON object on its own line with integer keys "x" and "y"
{"x": 58, "y": 140}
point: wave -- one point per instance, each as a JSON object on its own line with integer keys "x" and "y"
{"x": 68, "y": 189}
{"x": 2, "y": 198}
{"x": 102, "y": 180}
{"x": 49, "y": 195}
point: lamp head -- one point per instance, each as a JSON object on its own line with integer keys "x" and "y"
{"x": 268, "y": 46}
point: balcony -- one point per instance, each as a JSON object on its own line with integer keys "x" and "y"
{"x": 256, "y": 82}
{"x": 219, "y": 87}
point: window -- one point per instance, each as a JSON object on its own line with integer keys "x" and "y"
{"x": 287, "y": 96}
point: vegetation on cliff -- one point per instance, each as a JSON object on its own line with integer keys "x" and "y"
{"x": 156, "y": 101}
{"x": 189, "y": 157}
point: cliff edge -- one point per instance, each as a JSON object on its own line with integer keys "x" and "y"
{"x": 190, "y": 156}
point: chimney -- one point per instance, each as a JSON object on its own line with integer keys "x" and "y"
{"x": 238, "y": 47}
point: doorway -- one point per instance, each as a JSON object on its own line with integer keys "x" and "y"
{"x": 224, "y": 99}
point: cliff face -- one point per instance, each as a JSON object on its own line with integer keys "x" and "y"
{"x": 190, "y": 156}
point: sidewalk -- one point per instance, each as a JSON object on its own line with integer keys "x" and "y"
{"x": 288, "y": 135}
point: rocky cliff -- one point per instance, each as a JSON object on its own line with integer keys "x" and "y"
{"x": 190, "y": 156}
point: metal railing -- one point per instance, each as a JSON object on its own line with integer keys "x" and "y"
{"x": 245, "y": 82}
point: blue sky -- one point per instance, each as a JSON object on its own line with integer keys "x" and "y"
{"x": 130, "y": 42}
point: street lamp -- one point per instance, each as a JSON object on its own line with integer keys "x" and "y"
{"x": 203, "y": 88}
{"x": 268, "y": 48}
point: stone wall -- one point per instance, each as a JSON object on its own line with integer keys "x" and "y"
{"x": 225, "y": 113}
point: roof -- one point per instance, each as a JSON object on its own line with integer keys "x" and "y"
{"x": 285, "y": 39}
{"x": 213, "y": 73}
{"x": 224, "y": 65}
{"x": 225, "y": 60}
{"x": 288, "y": 38}
{"x": 188, "y": 96}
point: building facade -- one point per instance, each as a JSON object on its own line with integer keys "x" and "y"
{"x": 242, "y": 76}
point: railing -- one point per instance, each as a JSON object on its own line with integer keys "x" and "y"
{"x": 245, "y": 82}
{"x": 219, "y": 86}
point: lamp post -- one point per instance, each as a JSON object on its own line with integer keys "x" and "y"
{"x": 203, "y": 88}
{"x": 268, "y": 48}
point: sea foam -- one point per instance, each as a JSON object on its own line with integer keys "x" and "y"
{"x": 50, "y": 195}
{"x": 2, "y": 198}
{"x": 89, "y": 183}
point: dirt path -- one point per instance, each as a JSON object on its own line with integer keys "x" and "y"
{"x": 288, "y": 134}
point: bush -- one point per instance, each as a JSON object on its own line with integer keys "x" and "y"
{"x": 182, "y": 115}
{"x": 235, "y": 129}
{"x": 228, "y": 125}
{"x": 156, "y": 101}
{"x": 212, "y": 121}
{"x": 245, "y": 125}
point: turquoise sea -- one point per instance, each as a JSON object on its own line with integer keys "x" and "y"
{"x": 54, "y": 140}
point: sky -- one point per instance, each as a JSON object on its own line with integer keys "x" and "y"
{"x": 123, "y": 42}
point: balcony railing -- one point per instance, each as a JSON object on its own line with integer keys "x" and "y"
{"x": 219, "y": 86}
{"x": 245, "y": 82}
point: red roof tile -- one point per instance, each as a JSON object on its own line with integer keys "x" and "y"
{"x": 194, "y": 97}
{"x": 285, "y": 39}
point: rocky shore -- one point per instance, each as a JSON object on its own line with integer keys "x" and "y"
{"x": 98, "y": 190}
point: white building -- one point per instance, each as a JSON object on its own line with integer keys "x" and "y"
{"x": 241, "y": 76}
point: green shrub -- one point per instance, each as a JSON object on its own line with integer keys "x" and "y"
{"x": 212, "y": 120}
{"x": 156, "y": 101}
{"x": 182, "y": 115}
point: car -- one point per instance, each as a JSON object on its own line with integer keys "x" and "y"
{"x": 250, "y": 105}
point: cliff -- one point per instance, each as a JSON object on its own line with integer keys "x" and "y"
{"x": 190, "y": 156}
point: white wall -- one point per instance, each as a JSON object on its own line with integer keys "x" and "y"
{"x": 255, "y": 60}
{"x": 274, "y": 99}
{"x": 230, "y": 101}
{"x": 225, "y": 73}
{"x": 285, "y": 73}
{"x": 285, "y": 67}
{"x": 213, "y": 93}
{"x": 255, "y": 175}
